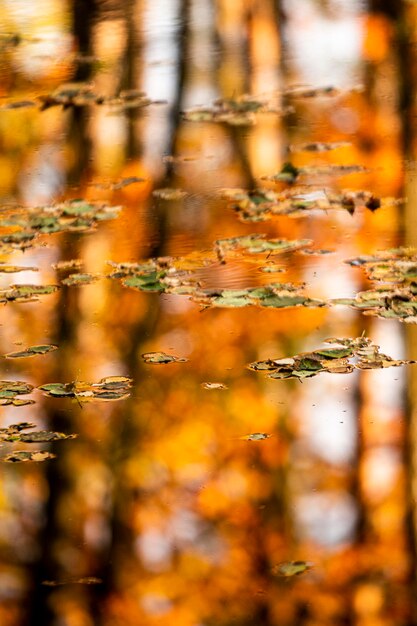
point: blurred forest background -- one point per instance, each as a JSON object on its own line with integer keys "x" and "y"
{"x": 159, "y": 513}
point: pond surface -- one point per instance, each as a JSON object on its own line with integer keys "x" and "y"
{"x": 196, "y": 197}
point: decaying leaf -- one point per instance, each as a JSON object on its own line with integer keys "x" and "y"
{"x": 342, "y": 357}
{"x": 291, "y": 568}
{"x": 32, "y": 351}
{"x": 160, "y": 358}
{"x": 23, "y": 456}
{"x": 109, "y": 388}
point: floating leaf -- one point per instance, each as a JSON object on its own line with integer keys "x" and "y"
{"x": 359, "y": 353}
{"x": 161, "y": 358}
{"x": 263, "y": 204}
{"x": 69, "y": 94}
{"x": 25, "y": 293}
{"x": 86, "y": 580}
{"x": 121, "y": 184}
{"x": 169, "y": 158}
{"x": 256, "y": 244}
{"x": 11, "y": 269}
{"x": 72, "y": 264}
{"x": 256, "y": 437}
{"x": 18, "y": 104}
{"x": 164, "y": 275}
{"x": 156, "y": 275}
{"x": 23, "y": 456}
{"x": 15, "y": 387}
{"x": 398, "y": 265}
{"x": 14, "y": 433}
{"x": 276, "y": 295}
{"x": 9, "y": 389}
{"x": 16, "y": 428}
{"x": 291, "y": 568}
{"x": 44, "y": 436}
{"x": 272, "y": 269}
{"x": 125, "y": 182}
{"x": 234, "y": 111}
{"x": 214, "y": 386}
{"x": 167, "y": 193}
{"x": 76, "y": 280}
{"x": 59, "y": 390}
{"x": 398, "y": 298}
{"x": 318, "y": 146}
{"x": 15, "y": 402}
{"x": 72, "y": 216}
{"x": 82, "y": 94}
{"x": 32, "y": 351}
{"x": 109, "y": 388}
{"x": 290, "y": 174}
{"x": 312, "y": 92}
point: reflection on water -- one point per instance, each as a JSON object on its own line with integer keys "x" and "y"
{"x": 204, "y": 494}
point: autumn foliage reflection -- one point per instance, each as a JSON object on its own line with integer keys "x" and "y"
{"x": 208, "y": 494}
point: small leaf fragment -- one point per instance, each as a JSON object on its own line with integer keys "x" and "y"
{"x": 214, "y": 386}
{"x": 86, "y": 580}
{"x": 158, "y": 358}
{"x": 291, "y": 568}
{"x": 168, "y": 193}
{"x": 256, "y": 437}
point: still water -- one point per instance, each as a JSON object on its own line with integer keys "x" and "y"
{"x": 206, "y": 482}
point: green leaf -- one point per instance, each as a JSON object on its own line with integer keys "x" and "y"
{"x": 309, "y": 364}
{"x": 334, "y": 353}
